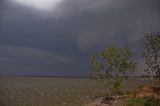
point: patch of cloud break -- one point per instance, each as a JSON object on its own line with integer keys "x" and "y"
{"x": 65, "y": 8}
{"x": 43, "y": 5}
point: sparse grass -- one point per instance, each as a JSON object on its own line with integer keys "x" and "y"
{"x": 43, "y": 91}
{"x": 144, "y": 101}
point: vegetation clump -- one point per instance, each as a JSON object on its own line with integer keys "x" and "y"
{"x": 142, "y": 101}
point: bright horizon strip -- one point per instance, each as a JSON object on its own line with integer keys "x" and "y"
{"x": 45, "y": 5}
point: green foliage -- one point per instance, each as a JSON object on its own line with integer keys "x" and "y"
{"x": 144, "y": 101}
{"x": 151, "y": 53}
{"x": 111, "y": 66}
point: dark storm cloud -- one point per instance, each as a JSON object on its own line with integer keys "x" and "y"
{"x": 26, "y": 58}
{"x": 71, "y": 32}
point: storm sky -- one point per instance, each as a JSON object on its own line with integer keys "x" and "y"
{"x": 58, "y": 37}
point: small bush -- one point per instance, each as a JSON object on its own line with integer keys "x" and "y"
{"x": 144, "y": 101}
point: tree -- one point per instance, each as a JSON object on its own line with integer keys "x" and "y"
{"x": 111, "y": 67}
{"x": 151, "y": 53}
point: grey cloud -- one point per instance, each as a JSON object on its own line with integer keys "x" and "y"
{"x": 122, "y": 27}
{"x": 133, "y": 18}
{"x": 67, "y": 8}
{"x": 4, "y": 59}
{"x": 74, "y": 30}
{"x": 31, "y": 55}
{"x": 16, "y": 60}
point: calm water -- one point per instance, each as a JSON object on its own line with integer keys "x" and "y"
{"x": 43, "y": 91}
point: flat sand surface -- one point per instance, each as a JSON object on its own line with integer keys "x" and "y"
{"x": 48, "y": 91}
